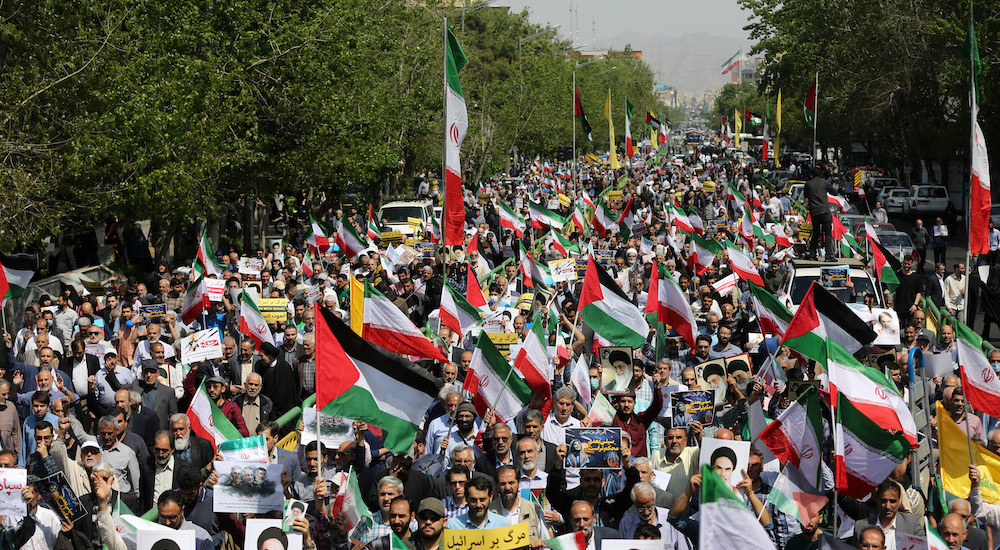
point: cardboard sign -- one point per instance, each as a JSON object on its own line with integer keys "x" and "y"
{"x": 424, "y": 249}
{"x": 604, "y": 258}
{"x": 251, "y": 266}
{"x": 12, "y": 480}
{"x": 581, "y": 267}
{"x": 593, "y": 448}
{"x": 334, "y": 430}
{"x": 563, "y": 270}
{"x": 687, "y": 406}
{"x": 833, "y": 277}
{"x": 273, "y": 309}
{"x": 201, "y": 346}
{"x": 502, "y": 340}
{"x": 392, "y": 237}
{"x": 498, "y": 538}
{"x": 805, "y": 231}
{"x": 249, "y": 488}
{"x": 564, "y": 200}
{"x": 615, "y": 195}
{"x": 906, "y": 541}
{"x": 153, "y": 312}
{"x": 727, "y": 457}
{"x": 414, "y": 222}
{"x": 215, "y": 288}
{"x": 165, "y": 539}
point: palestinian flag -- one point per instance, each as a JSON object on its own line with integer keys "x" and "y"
{"x": 511, "y": 220}
{"x": 317, "y": 237}
{"x": 385, "y": 325}
{"x": 886, "y": 265}
{"x": 822, "y": 316}
{"x": 207, "y": 420}
{"x": 743, "y": 266}
{"x": 252, "y": 321}
{"x": 456, "y": 312}
{"x": 604, "y": 218}
{"x": 494, "y": 383}
{"x": 574, "y": 540}
{"x": 606, "y": 309}
{"x": 532, "y": 359}
{"x": 543, "y": 217}
{"x": 703, "y": 253}
{"x": 350, "y": 242}
{"x": 350, "y": 502}
{"x": 195, "y": 301}
{"x": 796, "y": 496}
{"x": 725, "y": 521}
{"x": 796, "y": 436}
{"x": 473, "y": 292}
{"x": 838, "y": 203}
{"x": 979, "y": 381}
{"x": 869, "y": 391}
{"x": 373, "y": 231}
{"x": 578, "y": 113}
{"x": 16, "y": 271}
{"x": 563, "y": 245}
{"x": 866, "y": 452}
{"x": 355, "y": 379}
{"x": 772, "y": 315}
{"x": 849, "y": 246}
{"x": 666, "y": 304}
{"x": 205, "y": 262}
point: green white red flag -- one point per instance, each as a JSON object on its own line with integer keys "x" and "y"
{"x": 205, "y": 262}
{"x": 495, "y": 383}
{"x": 866, "y": 452}
{"x": 456, "y": 312}
{"x": 207, "y": 420}
{"x": 532, "y": 360}
{"x": 348, "y": 239}
{"x": 796, "y": 436}
{"x": 350, "y": 502}
{"x": 574, "y": 540}
{"x": 385, "y": 325}
{"x": 456, "y": 123}
{"x": 796, "y": 496}
{"x": 195, "y": 301}
{"x": 773, "y": 316}
{"x": 666, "y": 304}
{"x": 317, "y": 238}
{"x": 252, "y": 321}
{"x": 979, "y": 380}
{"x": 725, "y": 522}
{"x": 511, "y": 220}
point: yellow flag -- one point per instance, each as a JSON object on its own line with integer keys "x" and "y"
{"x": 778, "y": 116}
{"x": 739, "y": 126}
{"x": 954, "y": 447}
{"x": 777, "y": 136}
{"x": 357, "y": 305}
{"x": 613, "y": 156}
{"x": 654, "y": 134}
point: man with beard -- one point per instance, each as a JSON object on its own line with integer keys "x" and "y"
{"x": 511, "y": 506}
{"x": 256, "y": 409}
{"x": 581, "y": 518}
{"x": 430, "y": 524}
{"x": 531, "y": 476}
{"x": 188, "y": 446}
{"x": 156, "y": 396}
{"x": 478, "y": 493}
{"x": 400, "y": 517}
{"x": 467, "y": 427}
{"x": 281, "y": 385}
{"x": 164, "y": 467}
{"x": 389, "y": 487}
{"x": 500, "y": 455}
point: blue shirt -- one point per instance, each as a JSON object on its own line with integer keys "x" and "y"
{"x": 463, "y": 522}
{"x": 28, "y": 436}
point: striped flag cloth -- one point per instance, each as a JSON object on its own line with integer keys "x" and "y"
{"x": 606, "y": 309}
{"x": 207, "y": 420}
{"x": 796, "y": 436}
{"x": 456, "y": 312}
{"x": 796, "y": 496}
{"x": 385, "y": 325}
{"x": 348, "y": 239}
{"x": 866, "y": 452}
{"x": 350, "y": 502}
{"x": 495, "y": 383}
{"x": 725, "y": 522}
{"x": 16, "y": 271}
{"x": 205, "y": 262}
{"x": 252, "y": 321}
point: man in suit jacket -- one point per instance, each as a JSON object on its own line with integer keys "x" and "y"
{"x": 156, "y": 396}
{"x": 281, "y": 384}
{"x": 188, "y": 446}
{"x": 161, "y": 461}
{"x": 934, "y": 285}
{"x": 581, "y": 518}
{"x": 261, "y": 409}
{"x": 77, "y": 367}
{"x": 499, "y": 453}
{"x": 141, "y": 421}
{"x": 241, "y": 365}
{"x": 887, "y": 513}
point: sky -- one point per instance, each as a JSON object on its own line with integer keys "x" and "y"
{"x": 684, "y": 43}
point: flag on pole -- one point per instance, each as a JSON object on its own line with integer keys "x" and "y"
{"x": 979, "y": 204}
{"x": 578, "y": 113}
{"x": 796, "y": 436}
{"x": 743, "y": 266}
{"x": 654, "y": 129}
{"x": 543, "y": 217}
{"x": 574, "y": 540}
{"x": 252, "y": 321}
{"x": 373, "y": 230}
{"x": 886, "y": 265}
{"x": 357, "y": 305}
{"x": 613, "y": 152}
{"x": 16, "y": 271}
{"x": 866, "y": 452}
{"x": 195, "y": 301}
{"x": 605, "y": 308}
{"x": 809, "y": 105}
{"x": 738, "y": 122}
{"x": 532, "y": 360}
{"x": 511, "y": 220}
{"x": 205, "y": 262}
{"x": 725, "y": 521}
{"x": 456, "y": 312}
{"x": 731, "y": 62}
{"x": 777, "y": 135}
{"x": 796, "y": 496}
{"x": 456, "y": 124}
{"x": 563, "y": 245}
{"x": 385, "y": 325}
{"x": 629, "y": 152}
{"x": 356, "y": 380}
{"x": 207, "y": 420}
{"x": 494, "y": 382}
{"x": 767, "y": 130}
{"x": 474, "y": 292}
{"x": 349, "y": 502}
{"x": 666, "y": 304}
{"x": 934, "y": 540}
{"x": 822, "y": 316}
{"x": 773, "y": 316}
{"x": 979, "y": 381}
{"x": 348, "y": 239}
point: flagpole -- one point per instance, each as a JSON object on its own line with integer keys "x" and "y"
{"x": 444, "y": 162}
{"x": 972, "y": 146}
{"x": 816, "y": 122}
{"x": 572, "y": 118}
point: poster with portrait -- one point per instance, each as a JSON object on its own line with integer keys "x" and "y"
{"x": 712, "y": 375}
{"x": 164, "y": 539}
{"x": 334, "y": 430}
{"x": 616, "y": 368}
{"x": 834, "y": 276}
{"x": 686, "y": 407}
{"x": 729, "y": 458}
{"x": 267, "y": 534}
{"x": 250, "y": 488}
{"x": 294, "y": 509}
{"x": 593, "y": 447}
{"x": 58, "y": 496}
{"x": 12, "y": 480}
{"x": 886, "y": 325}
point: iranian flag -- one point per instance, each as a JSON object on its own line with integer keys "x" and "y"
{"x": 703, "y": 252}
{"x": 866, "y": 452}
{"x": 387, "y": 326}
{"x": 494, "y": 382}
{"x": 373, "y": 231}
{"x": 743, "y": 266}
{"x": 16, "y": 271}
{"x": 837, "y": 202}
{"x": 455, "y": 124}
{"x": 979, "y": 381}
{"x": 473, "y": 292}
{"x": 780, "y": 237}
{"x": 543, "y": 217}
{"x": 809, "y": 104}
{"x": 606, "y": 309}
{"x": 629, "y": 149}
{"x": 886, "y": 265}
{"x": 207, "y": 420}
{"x": 511, "y": 220}
{"x": 317, "y": 237}
{"x": 604, "y": 218}
{"x": 796, "y": 496}
{"x": 348, "y": 239}
{"x": 195, "y": 301}
{"x": 456, "y": 312}
{"x": 532, "y": 359}
{"x": 252, "y": 321}
{"x": 580, "y": 217}
{"x": 869, "y": 391}
{"x": 666, "y": 304}
{"x": 821, "y": 317}
{"x": 725, "y": 521}
{"x": 575, "y": 540}
{"x": 680, "y": 219}
{"x": 244, "y": 449}
{"x": 307, "y": 261}
{"x": 696, "y": 223}
{"x": 350, "y": 502}
{"x": 355, "y": 379}
{"x": 796, "y": 436}
{"x": 746, "y": 225}
{"x": 773, "y": 316}
{"x": 205, "y": 263}
{"x": 563, "y": 245}
{"x": 979, "y": 204}
{"x": 934, "y": 540}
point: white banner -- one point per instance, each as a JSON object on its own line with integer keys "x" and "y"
{"x": 201, "y": 346}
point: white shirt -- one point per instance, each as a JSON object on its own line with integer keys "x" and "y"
{"x": 554, "y": 432}
{"x": 47, "y": 526}
{"x": 142, "y": 352}
{"x": 890, "y": 533}
{"x": 164, "y": 478}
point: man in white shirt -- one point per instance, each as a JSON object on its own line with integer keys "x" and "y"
{"x": 531, "y": 477}
{"x": 954, "y": 290}
{"x": 47, "y": 523}
{"x": 560, "y": 418}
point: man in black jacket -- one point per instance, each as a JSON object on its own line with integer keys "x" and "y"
{"x": 281, "y": 385}
{"x": 156, "y": 396}
{"x": 188, "y": 446}
{"x": 816, "y": 190}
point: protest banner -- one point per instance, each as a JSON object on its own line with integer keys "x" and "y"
{"x": 392, "y": 238}
{"x": 563, "y": 270}
{"x": 833, "y": 277}
{"x": 334, "y": 430}
{"x": 215, "y": 288}
{"x": 274, "y": 310}
{"x": 513, "y": 537}
{"x": 153, "y": 312}
{"x": 201, "y": 346}
{"x": 248, "y": 488}
{"x": 616, "y": 374}
{"x": 604, "y": 258}
{"x": 689, "y": 406}
{"x": 12, "y": 480}
{"x": 503, "y": 341}
{"x": 593, "y": 447}
{"x": 59, "y": 497}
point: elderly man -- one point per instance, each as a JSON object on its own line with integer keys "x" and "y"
{"x": 582, "y": 519}
{"x": 647, "y": 512}
{"x": 122, "y": 458}
{"x": 255, "y": 407}
{"x": 554, "y": 430}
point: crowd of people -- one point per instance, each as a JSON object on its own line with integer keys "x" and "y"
{"x": 93, "y": 386}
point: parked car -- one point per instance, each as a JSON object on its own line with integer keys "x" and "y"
{"x": 896, "y": 242}
{"x": 894, "y": 199}
{"x": 927, "y": 199}
{"x": 803, "y": 272}
{"x": 397, "y": 215}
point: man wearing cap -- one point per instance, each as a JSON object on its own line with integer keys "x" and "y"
{"x": 430, "y": 525}
{"x": 170, "y": 373}
{"x": 216, "y": 387}
{"x": 281, "y": 385}
{"x": 156, "y": 396}
{"x": 467, "y": 427}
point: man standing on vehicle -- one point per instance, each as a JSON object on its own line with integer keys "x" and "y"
{"x": 816, "y": 190}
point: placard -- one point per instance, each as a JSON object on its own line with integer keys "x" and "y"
{"x": 215, "y": 288}
{"x": 414, "y": 222}
{"x": 60, "y": 498}
{"x": 502, "y": 340}
{"x": 604, "y": 258}
{"x": 12, "y": 480}
{"x": 616, "y": 374}
{"x": 686, "y": 407}
{"x": 245, "y": 449}
{"x": 581, "y": 267}
{"x": 593, "y": 448}
{"x": 886, "y": 325}
{"x": 563, "y": 270}
{"x": 274, "y": 310}
{"x": 833, "y": 277}
{"x": 392, "y": 237}
{"x": 728, "y": 457}
{"x": 294, "y": 509}
{"x": 267, "y": 534}
{"x": 424, "y": 249}
{"x": 201, "y": 346}
{"x": 165, "y": 539}
{"x": 246, "y": 487}
{"x": 251, "y": 266}
{"x": 906, "y": 541}
{"x": 334, "y": 429}
{"x": 616, "y": 195}
{"x": 513, "y": 537}
{"x": 153, "y": 312}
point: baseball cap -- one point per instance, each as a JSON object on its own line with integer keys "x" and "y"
{"x": 216, "y": 380}
{"x": 431, "y": 504}
{"x": 90, "y": 444}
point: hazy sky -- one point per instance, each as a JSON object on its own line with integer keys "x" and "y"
{"x": 608, "y": 20}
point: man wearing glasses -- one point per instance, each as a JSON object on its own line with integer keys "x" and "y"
{"x": 500, "y": 455}
{"x": 79, "y": 366}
